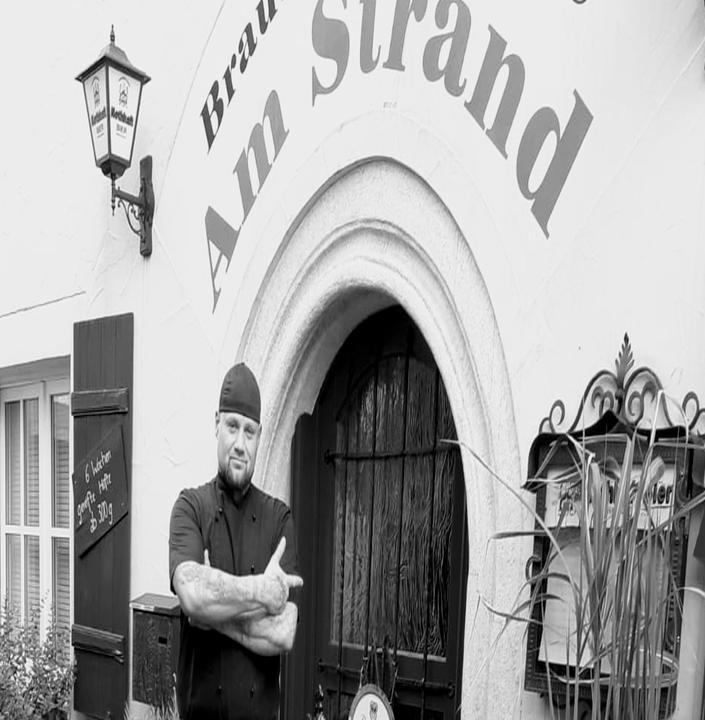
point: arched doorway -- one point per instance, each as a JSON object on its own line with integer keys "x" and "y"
{"x": 377, "y": 234}
{"x": 379, "y": 502}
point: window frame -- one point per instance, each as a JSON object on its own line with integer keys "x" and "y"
{"x": 44, "y": 390}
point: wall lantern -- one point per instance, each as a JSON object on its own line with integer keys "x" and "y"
{"x": 112, "y": 86}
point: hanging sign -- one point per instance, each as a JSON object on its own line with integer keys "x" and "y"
{"x": 99, "y": 491}
{"x": 370, "y": 703}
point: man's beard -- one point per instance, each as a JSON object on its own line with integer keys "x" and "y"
{"x": 240, "y": 483}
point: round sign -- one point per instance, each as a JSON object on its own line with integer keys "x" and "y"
{"x": 370, "y": 703}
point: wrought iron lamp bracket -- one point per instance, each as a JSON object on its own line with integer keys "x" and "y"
{"x": 631, "y": 394}
{"x": 139, "y": 209}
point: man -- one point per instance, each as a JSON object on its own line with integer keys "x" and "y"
{"x": 232, "y": 561}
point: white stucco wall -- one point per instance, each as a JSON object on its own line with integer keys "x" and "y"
{"x": 624, "y": 251}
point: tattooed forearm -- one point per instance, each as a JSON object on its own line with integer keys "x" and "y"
{"x": 214, "y": 583}
{"x": 210, "y": 595}
{"x": 188, "y": 571}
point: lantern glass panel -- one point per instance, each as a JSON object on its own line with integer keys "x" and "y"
{"x": 95, "y": 91}
{"x": 125, "y": 90}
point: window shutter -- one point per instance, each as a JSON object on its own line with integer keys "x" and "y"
{"x": 102, "y": 363}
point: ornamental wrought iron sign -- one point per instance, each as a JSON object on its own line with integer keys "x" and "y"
{"x": 632, "y": 395}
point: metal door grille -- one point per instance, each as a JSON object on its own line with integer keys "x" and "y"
{"x": 397, "y": 548}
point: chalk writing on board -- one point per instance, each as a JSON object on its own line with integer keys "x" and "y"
{"x": 100, "y": 490}
{"x": 94, "y": 466}
{"x": 104, "y": 483}
{"x": 85, "y": 508}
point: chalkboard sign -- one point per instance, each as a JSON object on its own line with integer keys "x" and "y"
{"x": 99, "y": 491}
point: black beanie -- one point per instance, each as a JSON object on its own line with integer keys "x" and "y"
{"x": 240, "y": 393}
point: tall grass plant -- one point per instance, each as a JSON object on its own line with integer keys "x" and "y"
{"x": 606, "y": 580}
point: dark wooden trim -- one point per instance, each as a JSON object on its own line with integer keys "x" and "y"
{"x": 100, "y": 402}
{"x": 100, "y": 642}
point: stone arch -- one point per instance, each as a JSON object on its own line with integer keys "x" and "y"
{"x": 377, "y": 234}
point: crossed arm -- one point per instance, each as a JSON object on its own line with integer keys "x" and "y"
{"x": 267, "y": 635}
{"x": 253, "y": 610}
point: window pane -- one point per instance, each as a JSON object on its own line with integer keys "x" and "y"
{"x": 60, "y": 460}
{"x": 14, "y": 572}
{"x": 31, "y": 462}
{"x": 31, "y": 578}
{"x": 62, "y": 582}
{"x": 12, "y": 463}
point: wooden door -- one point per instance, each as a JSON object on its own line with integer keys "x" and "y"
{"x": 379, "y": 503}
{"x": 100, "y": 405}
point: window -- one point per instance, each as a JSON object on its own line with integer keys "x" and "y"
{"x": 35, "y": 499}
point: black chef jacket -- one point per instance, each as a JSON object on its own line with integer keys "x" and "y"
{"x": 217, "y": 678}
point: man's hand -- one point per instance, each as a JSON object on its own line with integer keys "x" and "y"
{"x": 266, "y": 635}
{"x": 276, "y": 583}
{"x": 199, "y": 625}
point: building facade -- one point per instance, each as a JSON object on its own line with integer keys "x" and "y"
{"x": 454, "y": 208}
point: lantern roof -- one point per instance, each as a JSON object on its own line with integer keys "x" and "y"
{"x": 116, "y": 56}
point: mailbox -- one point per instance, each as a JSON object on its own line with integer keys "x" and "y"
{"x": 155, "y": 648}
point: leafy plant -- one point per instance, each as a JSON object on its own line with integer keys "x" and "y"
{"x": 607, "y": 576}
{"x": 36, "y": 675}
